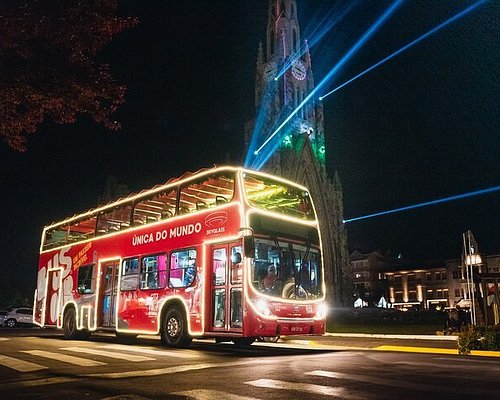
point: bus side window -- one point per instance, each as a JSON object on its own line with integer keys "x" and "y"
{"x": 182, "y": 268}
{"x": 130, "y": 270}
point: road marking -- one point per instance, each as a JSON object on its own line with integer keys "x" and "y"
{"x": 417, "y": 387}
{"x": 3, "y": 339}
{"x": 297, "y": 386}
{"x": 408, "y": 349}
{"x": 82, "y": 362}
{"x": 36, "y": 382}
{"x": 20, "y": 365}
{"x": 121, "y": 356}
{"x": 169, "y": 353}
{"x": 172, "y": 370}
{"x": 203, "y": 394}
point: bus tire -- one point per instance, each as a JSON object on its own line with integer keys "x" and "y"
{"x": 244, "y": 341}
{"x": 69, "y": 324}
{"x": 70, "y": 327}
{"x": 174, "y": 331}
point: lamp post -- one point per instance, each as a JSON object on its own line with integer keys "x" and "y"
{"x": 471, "y": 258}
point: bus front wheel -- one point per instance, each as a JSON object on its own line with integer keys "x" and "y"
{"x": 174, "y": 332}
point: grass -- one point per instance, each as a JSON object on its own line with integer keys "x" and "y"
{"x": 394, "y": 329}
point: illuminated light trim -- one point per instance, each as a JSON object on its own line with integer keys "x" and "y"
{"x": 167, "y": 300}
{"x": 87, "y": 307}
{"x": 135, "y": 228}
{"x": 314, "y": 223}
{"x": 60, "y": 318}
{"x": 146, "y": 193}
{"x": 244, "y": 218}
{"x": 44, "y": 305}
{"x": 34, "y": 308}
{"x": 255, "y": 210}
{"x": 60, "y": 295}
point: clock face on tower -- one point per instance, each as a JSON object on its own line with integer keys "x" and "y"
{"x": 270, "y": 71}
{"x": 299, "y": 70}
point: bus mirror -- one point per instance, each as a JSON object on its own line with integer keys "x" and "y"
{"x": 249, "y": 246}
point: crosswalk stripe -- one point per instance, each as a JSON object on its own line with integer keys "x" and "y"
{"x": 203, "y": 394}
{"x": 135, "y": 349}
{"x": 297, "y": 386}
{"x": 20, "y": 365}
{"x": 121, "y": 356}
{"x": 36, "y": 382}
{"x": 82, "y": 362}
{"x": 377, "y": 381}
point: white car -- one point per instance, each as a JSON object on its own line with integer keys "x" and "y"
{"x": 17, "y": 316}
{"x": 3, "y": 313}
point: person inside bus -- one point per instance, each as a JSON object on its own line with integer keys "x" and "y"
{"x": 236, "y": 268}
{"x": 269, "y": 282}
{"x": 189, "y": 272}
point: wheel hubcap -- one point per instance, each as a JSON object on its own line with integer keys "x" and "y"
{"x": 173, "y": 327}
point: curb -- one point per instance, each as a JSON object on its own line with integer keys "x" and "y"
{"x": 388, "y": 336}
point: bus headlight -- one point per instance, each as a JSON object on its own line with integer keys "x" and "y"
{"x": 262, "y": 307}
{"x": 321, "y": 310}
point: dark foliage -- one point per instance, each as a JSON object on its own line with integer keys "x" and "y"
{"x": 48, "y": 64}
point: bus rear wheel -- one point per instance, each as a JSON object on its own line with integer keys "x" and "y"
{"x": 70, "y": 328}
{"x": 174, "y": 332}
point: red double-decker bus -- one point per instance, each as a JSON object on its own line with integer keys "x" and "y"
{"x": 224, "y": 253}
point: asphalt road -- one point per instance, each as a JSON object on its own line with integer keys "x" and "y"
{"x": 37, "y": 364}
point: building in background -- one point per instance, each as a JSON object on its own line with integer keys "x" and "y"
{"x": 298, "y": 151}
{"x": 426, "y": 285}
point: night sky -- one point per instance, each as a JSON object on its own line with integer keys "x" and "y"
{"x": 423, "y": 126}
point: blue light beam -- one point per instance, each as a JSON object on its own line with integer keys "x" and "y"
{"x": 427, "y": 203}
{"x": 367, "y": 35}
{"x": 313, "y": 40}
{"x": 406, "y": 47}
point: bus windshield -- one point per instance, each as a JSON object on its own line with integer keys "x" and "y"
{"x": 275, "y": 196}
{"x": 286, "y": 269}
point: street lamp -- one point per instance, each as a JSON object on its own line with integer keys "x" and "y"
{"x": 471, "y": 257}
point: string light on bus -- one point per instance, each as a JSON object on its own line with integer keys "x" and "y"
{"x": 427, "y": 203}
{"x": 409, "y": 45}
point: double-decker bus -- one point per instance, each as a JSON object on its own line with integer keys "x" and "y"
{"x": 225, "y": 253}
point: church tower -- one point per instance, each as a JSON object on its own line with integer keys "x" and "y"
{"x": 284, "y": 79}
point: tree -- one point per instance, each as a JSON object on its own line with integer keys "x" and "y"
{"x": 48, "y": 64}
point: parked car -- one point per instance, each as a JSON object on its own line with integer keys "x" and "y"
{"x": 3, "y": 313}
{"x": 18, "y": 316}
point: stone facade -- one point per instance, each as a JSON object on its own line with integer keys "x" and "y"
{"x": 297, "y": 151}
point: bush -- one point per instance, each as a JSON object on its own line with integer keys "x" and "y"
{"x": 478, "y": 338}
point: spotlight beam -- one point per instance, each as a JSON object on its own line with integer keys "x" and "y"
{"x": 361, "y": 41}
{"x": 313, "y": 41}
{"x": 427, "y": 203}
{"x": 406, "y": 47}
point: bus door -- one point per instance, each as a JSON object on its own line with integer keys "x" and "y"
{"x": 109, "y": 285}
{"x": 226, "y": 288}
